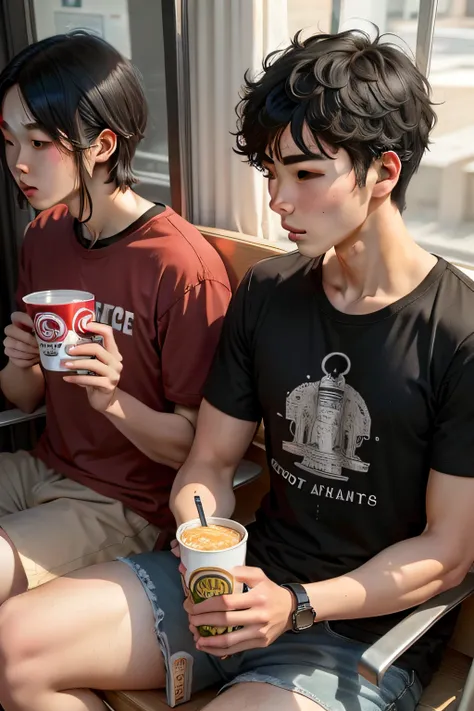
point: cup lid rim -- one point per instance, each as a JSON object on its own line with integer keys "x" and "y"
{"x": 211, "y": 519}
{"x": 80, "y": 296}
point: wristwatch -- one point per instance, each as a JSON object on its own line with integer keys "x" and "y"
{"x": 303, "y": 616}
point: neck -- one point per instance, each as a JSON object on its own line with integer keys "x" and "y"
{"x": 376, "y": 265}
{"x": 113, "y": 210}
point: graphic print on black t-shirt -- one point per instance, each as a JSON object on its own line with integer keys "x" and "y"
{"x": 356, "y": 409}
{"x": 329, "y": 421}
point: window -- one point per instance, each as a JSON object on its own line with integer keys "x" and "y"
{"x": 440, "y": 210}
{"x": 135, "y": 28}
{"x": 440, "y": 200}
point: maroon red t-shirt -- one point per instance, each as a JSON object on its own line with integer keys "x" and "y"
{"x": 164, "y": 290}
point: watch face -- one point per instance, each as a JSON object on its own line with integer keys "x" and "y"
{"x": 304, "y": 619}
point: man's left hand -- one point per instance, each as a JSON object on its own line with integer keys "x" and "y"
{"x": 105, "y": 362}
{"x": 264, "y": 613}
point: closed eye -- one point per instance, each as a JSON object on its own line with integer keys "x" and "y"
{"x": 306, "y": 175}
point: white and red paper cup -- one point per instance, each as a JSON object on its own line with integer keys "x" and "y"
{"x": 60, "y": 318}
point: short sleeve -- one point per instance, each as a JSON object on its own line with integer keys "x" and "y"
{"x": 231, "y": 386}
{"x": 453, "y": 437}
{"x": 188, "y": 335}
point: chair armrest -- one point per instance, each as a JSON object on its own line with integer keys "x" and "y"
{"x": 15, "y": 416}
{"x": 245, "y": 473}
{"x": 380, "y": 656}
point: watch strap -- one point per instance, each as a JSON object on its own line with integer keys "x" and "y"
{"x": 299, "y": 592}
{"x": 303, "y": 607}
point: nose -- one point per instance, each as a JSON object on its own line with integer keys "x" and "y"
{"x": 22, "y": 168}
{"x": 20, "y": 164}
{"x": 279, "y": 203}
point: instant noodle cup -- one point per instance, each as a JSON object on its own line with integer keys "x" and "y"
{"x": 60, "y": 318}
{"x": 209, "y": 554}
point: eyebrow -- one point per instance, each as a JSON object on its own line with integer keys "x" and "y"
{"x": 30, "y": 126}
{"x": 301, "y": 158}
{"x": 297, "y": 158}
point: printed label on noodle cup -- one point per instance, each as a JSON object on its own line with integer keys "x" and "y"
{"x": 205, "y": 583}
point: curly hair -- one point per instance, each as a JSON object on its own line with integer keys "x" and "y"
{"x": 363, "y": 95}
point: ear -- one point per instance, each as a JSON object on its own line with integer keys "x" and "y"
{"x": 388, "y": 168}
{"x": 104, "y": 146}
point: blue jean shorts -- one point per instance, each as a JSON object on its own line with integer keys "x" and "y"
{"x": 318, "y": 663}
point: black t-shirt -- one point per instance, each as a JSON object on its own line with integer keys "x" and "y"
{"x": 356, "y": 411}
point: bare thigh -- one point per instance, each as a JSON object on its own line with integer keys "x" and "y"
{"x": 256, "y": 696}
{"x": 92, "y": 629}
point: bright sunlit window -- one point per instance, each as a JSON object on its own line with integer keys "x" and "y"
{"x": 440, "y": 201}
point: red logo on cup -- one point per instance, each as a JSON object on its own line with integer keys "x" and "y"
{"x": 50, "y": 327}
{"x": 81, "y": 320}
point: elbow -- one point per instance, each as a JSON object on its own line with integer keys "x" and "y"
{"x": 174, "y": 457}
{"x": 179, "y": 453}
{"x": 162, "y": 458}
{"x": 454, "y": 577}
{"x": 175, "y": 465}
{"x": 30, "y": 402}
{"x": 27, "y": 406}
{"x": 456, "y": 566}
{"x": 449, "y": 556}
{"x": 172, "y": 452}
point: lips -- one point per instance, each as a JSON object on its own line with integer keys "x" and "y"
{"x": 27, "y": 189}
{"x": 292, "y": 230}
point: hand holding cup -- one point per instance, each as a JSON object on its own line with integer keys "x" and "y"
{"x": 20, "y": 343}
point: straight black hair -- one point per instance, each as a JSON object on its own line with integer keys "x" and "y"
{"x": 75, "y": 86}
{"x": 363, "y": 95}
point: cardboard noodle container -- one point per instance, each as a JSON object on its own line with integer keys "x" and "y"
{"x": 209, "y": 573}
{"x": 60, "y": 318}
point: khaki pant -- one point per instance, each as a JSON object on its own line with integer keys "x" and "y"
{"x": 58, "y": 525}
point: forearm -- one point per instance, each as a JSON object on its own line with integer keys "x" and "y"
{"x": 164, "y": 437}
{"x": 220, "y": 443}
{"x": 402, "y": 576}
{"x": 23, "y": 387}
{"x": 213, "y": 484}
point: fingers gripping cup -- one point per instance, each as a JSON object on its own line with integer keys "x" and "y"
{"x": 209, "y": 554}
{"x": 60, "y": 319}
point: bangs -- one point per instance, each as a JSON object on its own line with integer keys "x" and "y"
{"x": 52, "y": 105}
{"x": 277, "y": 113}
{"x": 335, "y": 91}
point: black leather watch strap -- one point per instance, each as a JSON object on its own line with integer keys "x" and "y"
{"x": 299, "y": 592}
{"x": 303, "y": 616}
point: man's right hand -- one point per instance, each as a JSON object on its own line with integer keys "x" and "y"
{"x": 20, "y": 343}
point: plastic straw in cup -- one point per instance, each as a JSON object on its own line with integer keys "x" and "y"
{"x": 200, "y": 510}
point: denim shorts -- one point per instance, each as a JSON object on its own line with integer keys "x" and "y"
{"x": 318, "y": 663}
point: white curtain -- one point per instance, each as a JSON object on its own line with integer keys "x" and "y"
{"x": 363, "y": 14}
{"x": 227, "y": 37}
